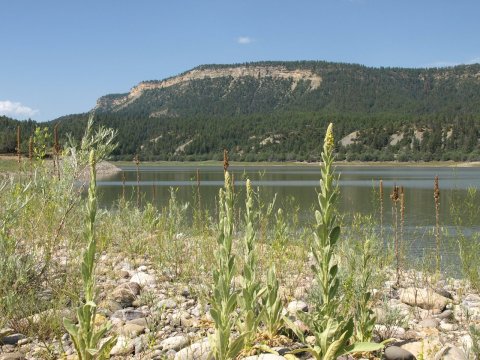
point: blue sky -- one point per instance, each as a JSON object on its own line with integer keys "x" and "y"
{"x": 58, "y": 56}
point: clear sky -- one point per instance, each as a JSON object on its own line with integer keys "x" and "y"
{"x": 58, "y": 56}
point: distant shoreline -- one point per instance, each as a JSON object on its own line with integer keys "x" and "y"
{"x": 8, "y": 164}
{"x": 298, "y": 163}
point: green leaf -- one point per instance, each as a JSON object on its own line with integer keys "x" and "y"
{"x": 363, "y": 347}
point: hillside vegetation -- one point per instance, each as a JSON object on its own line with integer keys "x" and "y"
{"x": 278, "y": 110}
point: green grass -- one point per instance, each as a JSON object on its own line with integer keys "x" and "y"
{"x": 8, "y": 164}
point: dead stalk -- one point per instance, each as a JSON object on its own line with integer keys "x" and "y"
{"x": 395, "y": 197}
{"x": 436, "y": 197}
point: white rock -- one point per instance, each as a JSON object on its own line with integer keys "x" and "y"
{"x": 424, "y": 298}
{"x": 142, "y": 278}
{"x": 297, "y": 306}
{"x": 197, "y": 351}
{"x": 124, "y": 346}
{"x": 265, "y": 357}
{"x": 175, "y": 343}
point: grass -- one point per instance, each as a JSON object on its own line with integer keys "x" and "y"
{"x": 41, "y": 239}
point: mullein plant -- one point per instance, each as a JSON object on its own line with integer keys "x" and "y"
{"x": 86, "y": 336}
{"x": 224, "y": 299}
{"x": 332, "y": 331}
{"x": 364, "y": 316}
{"x": 271, "y": 315}
{"x": 251, "y": 289}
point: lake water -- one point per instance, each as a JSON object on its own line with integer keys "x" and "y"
{"x": 357, "y": 185}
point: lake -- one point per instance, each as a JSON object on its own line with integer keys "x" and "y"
{"x": 299, "y": 182}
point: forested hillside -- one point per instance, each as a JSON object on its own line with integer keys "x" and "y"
{"x": 279, "y": 111}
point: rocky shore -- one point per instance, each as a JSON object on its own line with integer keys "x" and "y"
{"x": 156, "y": 318}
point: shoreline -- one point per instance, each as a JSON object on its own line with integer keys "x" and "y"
{"x": 9, "y": 166}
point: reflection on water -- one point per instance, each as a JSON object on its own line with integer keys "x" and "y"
{"x": 357, "y": 184}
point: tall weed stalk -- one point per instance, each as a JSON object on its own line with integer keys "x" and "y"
{"x": 225, "y": 298}
{"x": 332, "y": 331}
{"x": 85, "y": 335}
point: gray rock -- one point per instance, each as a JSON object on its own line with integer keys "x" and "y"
{"x": 175, "y": 343}
{"x": 132, "y": 330}
{"x": 444, "y": 293}
{"x": 139, "y": 344}
{"x": 139, "y": 321}
{"x": 11, "y": 339}
{"x": 447, "y": 314}
{"x": 450, "y": 353}
{"x": 126, "y": 293}
{"x": 429, "y": 323}
{"x": 167, "y": 304}
{"x": 128, "y": 314}
{"x": 397, "y": 353}
{"x": 13, "y": 356}
{"x": 448, "y": 326}
{"x": 197, "y": 351}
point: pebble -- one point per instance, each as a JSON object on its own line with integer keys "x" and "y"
{"x": 175, "y": 343}
{"x": 143, "y": 279}
{"x": 197, "y": 351}
{"x": 429, "y": 323}
{"x": 297, "y": 306}
{"x": 12, "y": 339}
{"x": 397, "y": 353}
{"x": 13, "y": 356}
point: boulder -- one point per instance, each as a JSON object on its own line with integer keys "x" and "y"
{"x": 297, "y": 306}
{"x": 126, "y": 293}
{"x": 450, "y": 353}
{"x": 397, "y": 353}
{"x": 175, "y": 343}
{"x": 197, "y": 351}
{"x": 423, "y": 298}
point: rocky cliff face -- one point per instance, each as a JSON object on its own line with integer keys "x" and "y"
{"x": 234, "y": 74}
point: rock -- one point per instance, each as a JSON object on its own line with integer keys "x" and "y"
{"x": 123, "y": 347}
{"x": 450, "y": 353}
{"x": 13, "y": 356}
{"x": 11, "y": 339}
{"x": 197, "y": 351}
{"x": 128, "y": 314}
{"x": 139, "y": 344}
{"x": 448, "y": 326}
{"x": 447, "y": 314}
{"x": 466, "y": 342}
{"x": 175, "y": 343}
{"x": 143, "y": 279}
{"x": 126, "y": 293}
{"x": 139, "y": 321}
{"x": 132, "y": 330}
{"x": 5, "y": 332}
{"x": 424, "y": 298}
{"x": 444, "y": 293}
{"x": 265, "y": 357}
{"x": 167, "y": 304}
{"x": 429, "y": 323}
{"x": 110, "y": 305}
{"x": 296, "y": 306}
{"x": 397, "y": 353}
{"x": 124, "y": 274}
